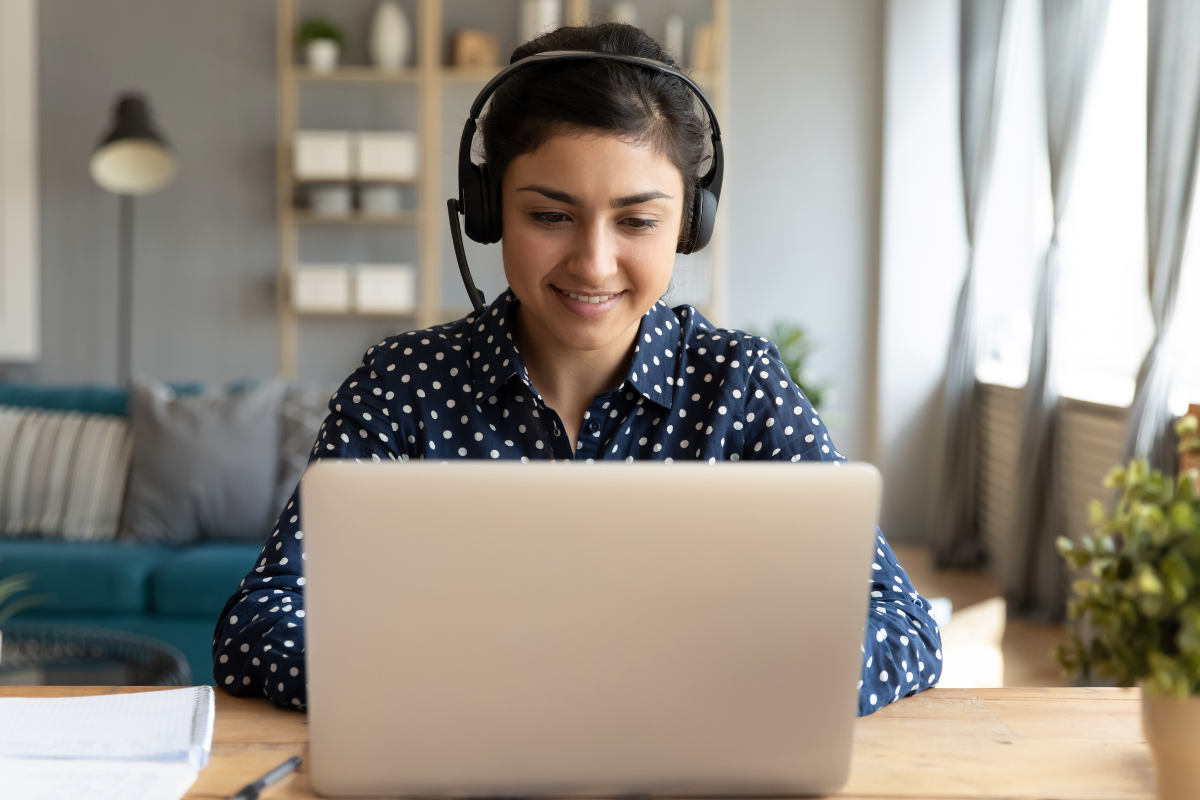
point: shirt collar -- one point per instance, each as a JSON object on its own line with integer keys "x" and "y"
{"x": 495, "y": 357}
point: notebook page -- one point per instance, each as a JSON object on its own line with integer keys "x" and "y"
{"x": 175, "y": 724}
{"x": 41, "y": 779}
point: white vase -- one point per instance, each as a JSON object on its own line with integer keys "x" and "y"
{"x": 538, "y": 17}
{"x": 391, "y": 37}
{"x": 1172, "y": 729}
{"x": 322, "y": 55}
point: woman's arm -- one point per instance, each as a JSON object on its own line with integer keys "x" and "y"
{"x": 258, "y": 645}
{"x": 902, "y": 651}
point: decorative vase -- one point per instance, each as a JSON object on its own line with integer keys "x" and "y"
{"x": 391, "y": 37}
{"x": 1172, "y": 729}
{"x": 322, "y": 55}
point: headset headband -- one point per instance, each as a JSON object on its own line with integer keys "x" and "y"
{"x": 710, "y": 181}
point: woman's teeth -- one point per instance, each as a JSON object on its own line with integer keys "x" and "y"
{"x": 598, "y": 298}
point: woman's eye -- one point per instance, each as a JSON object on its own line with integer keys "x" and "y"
{"x": 550, "y": 217}
{"x": 639, "y": 223}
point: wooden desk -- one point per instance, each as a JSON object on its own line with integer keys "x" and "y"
{"x": 944, "y": 743}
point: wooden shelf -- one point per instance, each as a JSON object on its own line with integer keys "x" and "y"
{"x": 305, "y": 217}
{"x": 356, "y": 75}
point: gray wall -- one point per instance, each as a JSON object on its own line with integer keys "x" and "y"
{"x": 205, "y": 246}
{"x": 804, "y": 156}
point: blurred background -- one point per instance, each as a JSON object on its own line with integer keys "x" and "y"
{"x": 964, "y": 218}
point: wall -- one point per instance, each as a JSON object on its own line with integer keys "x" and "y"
{"x": 205, "y": 246}
{"x": 807, "y": 78}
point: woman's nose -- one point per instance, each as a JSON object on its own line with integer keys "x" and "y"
{"x": 595, "y": 258}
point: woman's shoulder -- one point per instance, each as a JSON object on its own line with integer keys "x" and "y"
{"x": 722, "y": 350}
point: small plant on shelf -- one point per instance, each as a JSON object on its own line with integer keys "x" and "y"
{"x": 322, "y": 40}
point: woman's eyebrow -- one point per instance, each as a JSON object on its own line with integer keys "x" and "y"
{"x": 553, "y": 194}
{"x": 634, "y": 199}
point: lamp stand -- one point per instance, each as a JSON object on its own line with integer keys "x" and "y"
{"x": 125, "y": 291}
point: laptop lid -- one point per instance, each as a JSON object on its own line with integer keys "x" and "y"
{"x": 507, "y": 629}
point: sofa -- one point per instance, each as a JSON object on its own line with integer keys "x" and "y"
{"x": 169, "y": 591}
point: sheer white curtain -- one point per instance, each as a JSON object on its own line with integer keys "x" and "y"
{"x": 1072, "y": 31}
{"x": 1173, "y": 133}
{"x": 982, "y": 45}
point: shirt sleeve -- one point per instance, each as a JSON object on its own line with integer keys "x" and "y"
{"x": 902, "y": 649}
{"x": 258, "y": 645}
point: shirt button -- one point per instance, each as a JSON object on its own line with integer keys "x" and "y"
{"x": 593, "y": 427}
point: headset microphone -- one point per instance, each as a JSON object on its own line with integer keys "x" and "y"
{"x": 476, "y": 195}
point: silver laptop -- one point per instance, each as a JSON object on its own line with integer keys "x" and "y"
{"x": 503, "y": 629}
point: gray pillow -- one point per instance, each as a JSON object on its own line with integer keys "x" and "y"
{"x": 203, "y": 467}
{"x": 305, "y": 406}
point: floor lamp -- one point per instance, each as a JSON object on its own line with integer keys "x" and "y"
{"x": 132, "y": 159}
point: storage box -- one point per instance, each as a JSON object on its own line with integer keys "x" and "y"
{"x": 323, "y": 155}
{"x": 386, "y": 288}
{"x": 379, "y": 200}
{"x": 321, "y": 288}
{"x": 329, "y": 199}
{"x": 388, "y": 156}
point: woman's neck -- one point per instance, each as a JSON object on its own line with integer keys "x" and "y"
{"x": 569, "y": 379}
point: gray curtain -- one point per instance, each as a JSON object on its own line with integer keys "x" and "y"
{"x": 1072, "y": 31}
{"x": 982, "y": 43}
{"x": 1172, "y": 128}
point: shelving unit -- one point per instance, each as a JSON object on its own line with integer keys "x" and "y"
{"x": 431, "y": 80}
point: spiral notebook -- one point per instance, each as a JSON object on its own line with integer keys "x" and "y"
{"x": 139, "y": 746}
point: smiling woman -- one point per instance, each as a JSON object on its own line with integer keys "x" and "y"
{"x": 597, "y": 169}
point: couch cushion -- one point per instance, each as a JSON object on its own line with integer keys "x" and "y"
{"x": 197, "y": 581}
{"x": 84, "y": 577}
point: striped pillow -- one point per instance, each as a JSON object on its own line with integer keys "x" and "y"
{"x": 62, "y": 473}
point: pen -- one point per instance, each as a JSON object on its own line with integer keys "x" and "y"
{"x": 251, "y": 791}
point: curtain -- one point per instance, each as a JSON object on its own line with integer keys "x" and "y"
{"x": 1072, "y": 31}
{"x": 1172, "y": 128}
{"x": 982, "y": 40}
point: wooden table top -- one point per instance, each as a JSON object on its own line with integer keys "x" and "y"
{"x": 943, "y": 743}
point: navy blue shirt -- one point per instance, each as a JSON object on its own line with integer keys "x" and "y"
{"x": 693, "y": 391}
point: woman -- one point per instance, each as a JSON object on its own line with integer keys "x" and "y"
{"x": 579, "y": 359}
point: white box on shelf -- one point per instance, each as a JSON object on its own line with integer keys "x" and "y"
{"x": 386, "y": 288}
{"x": 323, "y": 155}
{"x": 321, "y": 288}
{"x": 329, "y": 199}
{"x": 390, "y": 156}
{"x": 379, "y": 200}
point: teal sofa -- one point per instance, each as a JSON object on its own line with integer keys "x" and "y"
{"x": 171, "y": 594}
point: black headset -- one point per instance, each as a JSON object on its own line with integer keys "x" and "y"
{"x": 475, "y": 196}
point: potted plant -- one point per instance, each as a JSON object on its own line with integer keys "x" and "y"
{"x": 1140, "y": 610}
{"x": 795, "y": 349}
{"x": 14, "y": 584}
{"x": 322, "y": 40}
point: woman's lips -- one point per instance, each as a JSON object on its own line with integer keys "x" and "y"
{"x": 588, "y": 304}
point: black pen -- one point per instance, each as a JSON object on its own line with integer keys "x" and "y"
{"x": 274, "y": 776}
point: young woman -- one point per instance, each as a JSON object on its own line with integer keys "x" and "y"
{"x": 596, "y": 162}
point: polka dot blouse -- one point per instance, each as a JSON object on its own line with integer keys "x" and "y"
{"x": 460, "y": 390}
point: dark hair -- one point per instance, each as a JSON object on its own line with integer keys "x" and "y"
{"x": 640, "y": 105}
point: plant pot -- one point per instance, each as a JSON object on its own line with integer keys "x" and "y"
{"x": 322, "y": 55}
{"x": 1172, "y": 729}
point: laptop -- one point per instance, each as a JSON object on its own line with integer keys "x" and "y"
{"x": 507, "y": 629}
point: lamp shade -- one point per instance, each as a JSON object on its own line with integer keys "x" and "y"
{"x": 133, "y": 158}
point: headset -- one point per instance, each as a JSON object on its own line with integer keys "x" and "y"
{"x": 475, "y": 195}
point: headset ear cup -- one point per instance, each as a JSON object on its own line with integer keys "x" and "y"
{"x": 687, "y": 239}
{"x": 474, "y": 206}
{"x": 707, "y": 209}
{"x": 492, "y": 220}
